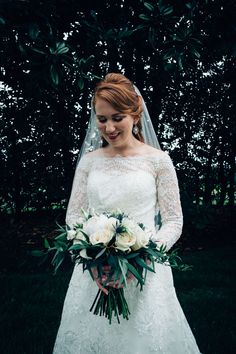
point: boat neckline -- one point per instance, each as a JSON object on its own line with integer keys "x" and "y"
{"x": 125, "y": 157}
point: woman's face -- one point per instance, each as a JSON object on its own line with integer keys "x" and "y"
{"x": 115, "y": 127}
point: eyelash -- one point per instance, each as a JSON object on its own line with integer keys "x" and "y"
{"x": 117, "y": 119}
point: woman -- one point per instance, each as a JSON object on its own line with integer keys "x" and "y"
{"x": 129, "y": 174}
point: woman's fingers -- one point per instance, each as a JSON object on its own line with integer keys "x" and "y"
{"x": 101, "y": 287}
{"x": 101, "y": 282}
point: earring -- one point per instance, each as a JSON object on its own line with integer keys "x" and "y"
{"x": 135, "y": 129}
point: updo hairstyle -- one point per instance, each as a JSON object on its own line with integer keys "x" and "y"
{"x": 119, "y": 91}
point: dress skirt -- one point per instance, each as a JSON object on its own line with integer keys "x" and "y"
{"x": 157, "y": 323}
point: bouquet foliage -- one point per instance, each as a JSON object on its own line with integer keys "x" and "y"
{"x": 115, "y": 250}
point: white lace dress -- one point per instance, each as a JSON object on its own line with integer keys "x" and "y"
{"x": 141, "y": 186}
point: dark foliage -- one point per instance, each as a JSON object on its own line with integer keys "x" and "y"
{"x": 180, "y": 54}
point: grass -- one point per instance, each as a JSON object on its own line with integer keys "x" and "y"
{"x": 31, "y": 305}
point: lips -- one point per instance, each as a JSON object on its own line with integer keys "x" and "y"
{"x": 113, "y": 136}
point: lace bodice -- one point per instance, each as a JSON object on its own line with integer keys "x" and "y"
{"x": 141, "y": 186}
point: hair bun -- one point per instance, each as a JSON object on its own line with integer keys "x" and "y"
{"x": 116, "y": 78}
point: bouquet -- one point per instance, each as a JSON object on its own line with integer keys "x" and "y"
{"x": 115, "y": 249}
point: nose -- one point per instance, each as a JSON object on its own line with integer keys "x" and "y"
{"x": 110, "y": 128}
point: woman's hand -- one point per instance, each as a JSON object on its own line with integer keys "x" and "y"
{"x": 114, "y": 284}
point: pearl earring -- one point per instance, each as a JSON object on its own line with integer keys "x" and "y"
{"x": 135, "y": 129}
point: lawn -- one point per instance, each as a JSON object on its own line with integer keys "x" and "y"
{"x": 31, "y": 304}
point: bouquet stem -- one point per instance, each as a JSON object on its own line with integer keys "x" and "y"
{"x": 112, "y": 304}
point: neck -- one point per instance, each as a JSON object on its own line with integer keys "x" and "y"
{"x": 126, "y": 148}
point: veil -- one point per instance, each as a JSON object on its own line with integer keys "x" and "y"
{"x": 93, "y": 139}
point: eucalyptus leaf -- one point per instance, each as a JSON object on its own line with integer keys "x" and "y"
{"x": 133, "y": 270}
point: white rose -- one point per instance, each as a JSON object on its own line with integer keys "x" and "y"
{"x": 130, "y": 225}
{"x": 111, "y": 224}
{"x": 95, "y": 223}
{"x": 124, "y": 241}
{"x": 71, "y": 234}
{"x": 142, "y": 239}
{"x": 76, "y": 242}
{"x": 101, "y": 236}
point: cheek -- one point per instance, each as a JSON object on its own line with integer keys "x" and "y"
{"x": 100, "y": 126}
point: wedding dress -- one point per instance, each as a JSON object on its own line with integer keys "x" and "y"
{"x": 141, "y": 186}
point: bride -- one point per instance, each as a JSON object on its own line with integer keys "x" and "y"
{"x": 126, "y": 170}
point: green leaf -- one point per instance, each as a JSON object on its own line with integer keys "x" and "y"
{"x": 152, "y": 252}
{"x": 100, "y": 253}
{"x": 76, "y": 247}
{"x": 57, "y": 260}
{"x": 34, "y": 31}
{"x": 81, "y": 83}
{"x": 90, "y": 60}
{"x": 2, "y": 21}
{"x": 54, "y": 75}
{"x": 143, "y": 264}
{"x": 168, "y": 10}
{"x": 60, "y": 45}
{"x": 144, "y": 17}
{"x": 62, "y": 236}
{"x": 62, "y": 50}
{"x": 39, "y": 51}
{"x": 123, "y": 268}
{"x": 133, "y": 270}
{"x": 149, "y": 6}
{"x": 195, "y": 52}
{"x": 131, "y": 255}
{"x": 46, "y": 243}
{"x": 37, "y": 253}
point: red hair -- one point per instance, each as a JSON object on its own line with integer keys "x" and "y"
{"x": 119, "y": 91}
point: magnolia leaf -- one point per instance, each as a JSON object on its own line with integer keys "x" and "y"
{"x": 149, "y": 6}
{"x": 54, "y": 75}
{"x": 195, "y": 52}
{"x": 167, "y": 11}
{"x": 38, "y": 50}
{"x": 34, "y": 31}
{"x": 81, "y": 83}
{"x": 144, "y": 17}
{"x": 2, "y": 21}
{"x": 62, "y": 50}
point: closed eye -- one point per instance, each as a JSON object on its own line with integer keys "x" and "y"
{"x": 102, "y": 120}
{"x": 114, "y": 118}
{"x": 117, "y": 119}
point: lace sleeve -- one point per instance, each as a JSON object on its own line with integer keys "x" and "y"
{"x": 168, "y": 202}
{"x": 78, "y": 197}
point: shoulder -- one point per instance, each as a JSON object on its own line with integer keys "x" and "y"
{"x": 95, "y": 153}
{"x": 161, "y": 162}
{"x": 156, "y": 155}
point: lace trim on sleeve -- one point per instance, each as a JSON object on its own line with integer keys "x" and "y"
{"x": 78, "y": 197}
{"x": 168, "y": 202}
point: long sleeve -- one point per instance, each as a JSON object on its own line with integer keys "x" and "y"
{"x": 168, "y": 203}
{"x": 78, "y": 197}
